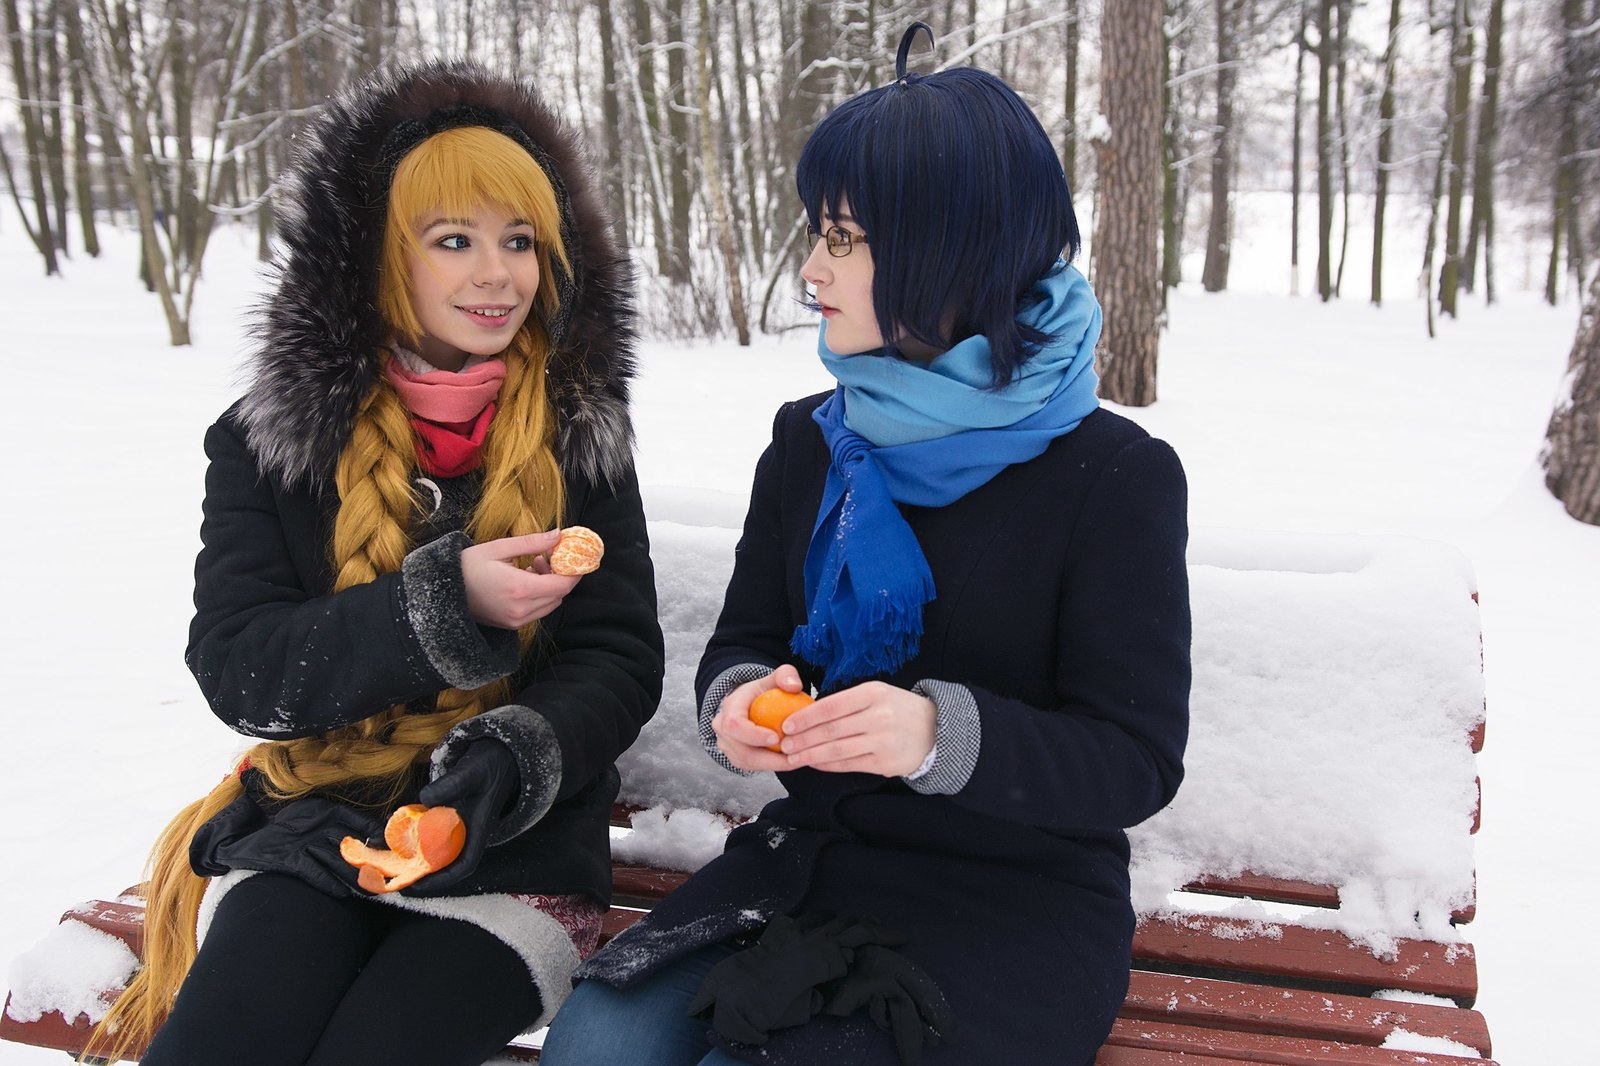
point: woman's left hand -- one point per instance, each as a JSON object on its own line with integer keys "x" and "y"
{"x": 873, "y": 728}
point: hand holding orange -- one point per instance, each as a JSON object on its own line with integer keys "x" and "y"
{"x": 769, "y": 710}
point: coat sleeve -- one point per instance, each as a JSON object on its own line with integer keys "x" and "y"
{"x": 1110, "y": 753}
{"x": 755, "y": 624}
{"x": 279, "y": 660}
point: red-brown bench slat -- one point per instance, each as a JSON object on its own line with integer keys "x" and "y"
{"x": 643, "y": 884}
{"x": 1135, "y": 1056}
{"x": 122, "y": 918}
{"x": 1175, "y": 1040}
{"x": 1316, "y": 955}
{"x": 1205, "y": 1002}
{"x": 49, "y": 1030}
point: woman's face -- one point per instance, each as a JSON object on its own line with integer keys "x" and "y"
{"x": 843, "y": 286}
{"x": 473, "y": 281}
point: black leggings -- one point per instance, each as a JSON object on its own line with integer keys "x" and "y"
{"x": 288, "y": 975}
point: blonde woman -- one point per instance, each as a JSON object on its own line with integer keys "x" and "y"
{"x": 441, "y": 386}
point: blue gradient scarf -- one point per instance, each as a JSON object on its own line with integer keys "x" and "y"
{"x": 926, "y": 435}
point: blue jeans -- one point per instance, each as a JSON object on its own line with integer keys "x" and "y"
{"x": 646, "y": 1025}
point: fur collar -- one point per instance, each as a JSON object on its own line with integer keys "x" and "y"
{"x": 319, "y": 331}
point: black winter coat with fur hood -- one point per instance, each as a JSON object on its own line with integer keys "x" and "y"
{"x": 278, "y": 653}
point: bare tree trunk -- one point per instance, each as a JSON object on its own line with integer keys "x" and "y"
{"x": 1441, "y": 164}
{"x": 298, "y": 84}
{"x": 712, "y": 177}
{"x": 182, "y": 96}
{"x": 1171, "y": 123}
{"x": 1571, "y": 453}
{"x": 369, "y": 20}
{"x": 745, "y": 129}
{"x": 1219, "y": 231}
{"x": 1299, "y": 152}
{"x": 1480, "y": 228}
{"x": 51, "y": 88}
{"x": 1341, "y": 53}
{"x": 650, "y": 131}
{"x": 1324, "y": 149}
{"x": 1380, "y": 198}
{"x": 1459, "y": 117}
{"x": 611, "y": 118}
{"x": 1069, "y": 138}
{"x": 82, "y": 169}
{"x": 1127, "y": 264}
{"x": 1564, "y": 215}
{"x": 33, "y": 145}
{"x": 677, "y": 156}
{"x": 140, "y": 178}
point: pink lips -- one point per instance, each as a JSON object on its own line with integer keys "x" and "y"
{"x": 485, "y": 321}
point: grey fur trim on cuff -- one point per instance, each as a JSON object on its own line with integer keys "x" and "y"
{"x": 957, "y": 738}
{"x": 532, "y": 739}
{"x": 464, "y": 653}
{"x": 726, "y": 682}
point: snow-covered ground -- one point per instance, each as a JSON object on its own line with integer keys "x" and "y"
{"x": 1289, "y": 415}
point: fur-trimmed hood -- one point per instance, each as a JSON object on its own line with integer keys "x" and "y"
{"x": 320, "y": 331}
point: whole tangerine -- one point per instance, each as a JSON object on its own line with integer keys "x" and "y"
{"x": 774, "y": 705}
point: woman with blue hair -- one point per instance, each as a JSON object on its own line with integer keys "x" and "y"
{"x": 981, "y": 572}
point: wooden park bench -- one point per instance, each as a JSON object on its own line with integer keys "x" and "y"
{"x": 1286, "y": 916}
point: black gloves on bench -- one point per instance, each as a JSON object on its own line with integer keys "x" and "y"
{"x": 812, "y": 965}
{"x": 300, "y": 837}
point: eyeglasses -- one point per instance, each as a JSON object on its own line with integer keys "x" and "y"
{"x": 840, "y": 240}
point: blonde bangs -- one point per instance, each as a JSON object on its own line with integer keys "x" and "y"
{"x": 451, "y": 173}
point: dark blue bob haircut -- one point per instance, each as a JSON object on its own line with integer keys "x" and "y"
{"x": 963, "y": 201}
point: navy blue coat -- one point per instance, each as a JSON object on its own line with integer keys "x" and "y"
{"x": 1062, "y": 606}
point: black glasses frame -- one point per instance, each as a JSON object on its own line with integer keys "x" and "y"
{"x": 840, "y": 240}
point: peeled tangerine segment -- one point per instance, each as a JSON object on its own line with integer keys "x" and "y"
{"x": 577, "y": 553}
{"x": 421, "y": 840}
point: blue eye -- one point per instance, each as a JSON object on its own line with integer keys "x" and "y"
{"x": 521, "y": 242}
{"x": 455, "y": 242}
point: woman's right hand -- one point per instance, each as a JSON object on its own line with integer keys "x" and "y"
{"x": 738, "y": 738}
{"x": 501, "y": 593}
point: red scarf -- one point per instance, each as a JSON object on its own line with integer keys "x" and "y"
{"x": 451, "y": 413}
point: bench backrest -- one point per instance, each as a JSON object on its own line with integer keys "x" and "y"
{"x": 1337, "y": 698}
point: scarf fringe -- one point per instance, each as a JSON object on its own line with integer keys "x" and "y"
{"x": 893, "y": 618}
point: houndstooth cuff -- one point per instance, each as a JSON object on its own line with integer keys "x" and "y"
{"x": 957, "y": 738}
{"x": 725, "y": 682}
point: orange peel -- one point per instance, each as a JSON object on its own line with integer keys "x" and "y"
{"x": 421, "y": 840}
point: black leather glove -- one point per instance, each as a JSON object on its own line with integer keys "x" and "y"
{"x": 301, "y": 838}
{"x": 481, "y": 786}
{"x": 900, "y": 999}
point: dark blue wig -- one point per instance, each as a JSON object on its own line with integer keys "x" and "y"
{"x": 962, "y": 198}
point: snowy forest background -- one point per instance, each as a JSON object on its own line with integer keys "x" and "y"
{"x": 173, "y": 114}
{"x": 1475, "y": 122}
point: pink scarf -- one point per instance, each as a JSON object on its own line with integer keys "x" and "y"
{"x": 451, "y": 413}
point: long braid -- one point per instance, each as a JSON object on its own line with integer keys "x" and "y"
{"x": 522, "y": 493}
